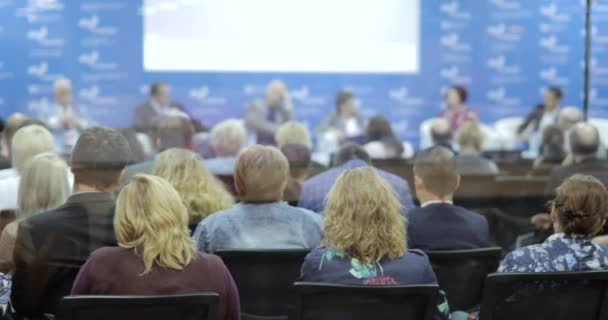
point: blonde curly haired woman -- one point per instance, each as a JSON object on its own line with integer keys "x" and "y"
{"x": 365, "y": 238}
{"x": 156, "y": 254}
{"x": 200, "y": 191}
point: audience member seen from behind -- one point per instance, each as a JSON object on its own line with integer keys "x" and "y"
{"x": 261, "y": 220}
{"x": 56, "y": 243}
{"x": 173, "y": 131}
{"x": 345, "y": 121}
{"x": 28, "y": 142}
{"x": 365, "y": 237}
{"x": 156, "y": 254}
{"x": 44, "y": 186}
{"x": 263, "y": 118}
{"x": 137, "y": 151}
{"x": 199, "y": 190}
{"x": 381, "y": 142}
{"x": 469, "y": 160}
{"x": 299, "y": 159}
{"x": 227, "y": 139}
{"x": 456, "y": 111}
{"x": 441, "y": 134}
{"x": 578, "y": 213}
{"x": 439, "y": 224}
{"x": 552, "y": 150}
{"x": 584, "y": 144}
{"x": 350, "y": 156}
{"x": 293, "y": 132}
{"x": 13, "y": 123}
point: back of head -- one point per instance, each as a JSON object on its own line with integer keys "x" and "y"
{"x": 13, "y": 123}
{"x": 584, "y": 140}
{"x": 436, "y": 168}
{"x": 362, "y": 217}
{"x": 99, "y": 157}
{"x": 261, "y": 174}
{"x": 341, "y": 98}
{"x": 470, "y": 136}
{"x": 173, "y": 131}
{"x": 228, "y": 137}
{"x": 137, "y": 153}
{"x": 570, "y": 116}
{"x": 379, "y": 128}
{"x": 28, "y": 142}
{"x": 580, "y": 206}
{"x": 441, "y": 133}
{"x": 553, "y": 143}
{"x": 293, "y": 132}
{"x": 200, "y": 192}
{"x": 299, "y": 158}
{"x": 350, "y": 151}
{"x": 151, "y": 219}
{"x": 155, "y": 88}
{"x": 44, "y": 185}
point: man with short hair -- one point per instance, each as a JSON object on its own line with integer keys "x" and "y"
{"x": 263, "y": 118}
{"x": 438, "y": 224}
{"x": 262, "y": 220}
{"x": 27, "y": 143}
{"x": 441, "y": 133}
{"x": 584, "y": 144}
{"x": 227, "y": 139}
{"x": 52, "y": 246}
{"x": 350, "y": 156}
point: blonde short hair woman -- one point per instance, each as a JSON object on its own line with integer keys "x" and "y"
{"x": 365, "y": 237}
{"x": 156, "y": 254}
{"x": 44, "y": 186}
{"x": 200, "y": 191}
{"x": 293, "y": 132}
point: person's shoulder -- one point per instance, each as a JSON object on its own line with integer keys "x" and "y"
{"x": 303, "y": 211}
{"x": 217, "y": 218}
{"x": 415, "y": 254}
{"x": 46, "y": 219}
{"x": 391, "y": 178}
{"x": 107, "y": 253}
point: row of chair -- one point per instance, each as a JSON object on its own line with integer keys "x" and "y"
{"x": 553, "y": 296}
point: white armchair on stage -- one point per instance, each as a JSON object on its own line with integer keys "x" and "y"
{"x": 506, "y": 129}
{"x": 492, "y": 139}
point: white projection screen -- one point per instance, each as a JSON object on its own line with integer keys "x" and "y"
{"x": 343, "y": 36}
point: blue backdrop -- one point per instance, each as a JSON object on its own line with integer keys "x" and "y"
{"x": 505, "y": 51}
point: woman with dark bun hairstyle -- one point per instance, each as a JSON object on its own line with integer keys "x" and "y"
{"x": 578, "y": 213}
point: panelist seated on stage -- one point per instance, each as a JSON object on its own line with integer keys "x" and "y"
{"x": 381, "y": 141}
{"x": 542, "y": 116}
{"x": 345, "y": 121}
{"x": 160, "y": 105}
{"x": 456, "y": 111}
{"x": 263, "y": 118}
{"x": 65, "y": 120}
{"x": 439, "y": 224}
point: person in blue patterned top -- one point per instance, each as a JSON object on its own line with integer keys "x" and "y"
{"x": 365, "y": 238}
{"x": 578, "y": 213}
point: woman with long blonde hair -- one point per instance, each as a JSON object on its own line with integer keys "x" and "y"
{"x": 365, "y": 238}
{"x": 201, "y": 192}
{"x": 156, "y": 254}
{"x": 44, "y": 186}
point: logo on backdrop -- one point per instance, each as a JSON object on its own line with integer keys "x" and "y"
{"x": 93, "y": 95}
{"x": 41, "y": 71}
{"x": 503, "y": 32}
{"x": 402, "y": 95}
{"x": 506, "y": 4}
{"x": 91, "y": 59}
{"x": 453, "y": 42}
{"x": 303, "y": 96}
{"x": 596, "y": 99}
{"x": 453, "y": 10}
{"x": 499, "y": 63}
{"x": 550, "y": 43}
{"x": 41, "y": 36}
{"x": 550, "y": 75}
{"x": 92, "y": 24}
{"x": 202, "y": 95}
{"x": 501, "y": 98}
{"x": 453, "y": 75}
{"x": 39, "y": 106}
{"x": 551, "y": 12}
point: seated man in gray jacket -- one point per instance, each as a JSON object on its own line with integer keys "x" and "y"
{"x": 261, "y": 220}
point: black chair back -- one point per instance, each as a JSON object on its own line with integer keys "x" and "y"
{"x": 200, "y": 306}
{"x": 323, "y": 301}
{"x": 546, "y": 296}
{"x": 461, "y": 274}
{"x": 264, "y": 279}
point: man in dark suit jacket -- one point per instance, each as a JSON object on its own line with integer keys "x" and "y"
{"x": 584, "y": 144}
{"x": 52, "y": 246}
{"x": 438, "y": 224}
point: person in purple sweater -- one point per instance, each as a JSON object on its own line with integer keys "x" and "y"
{"x": 156, "y": 254}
